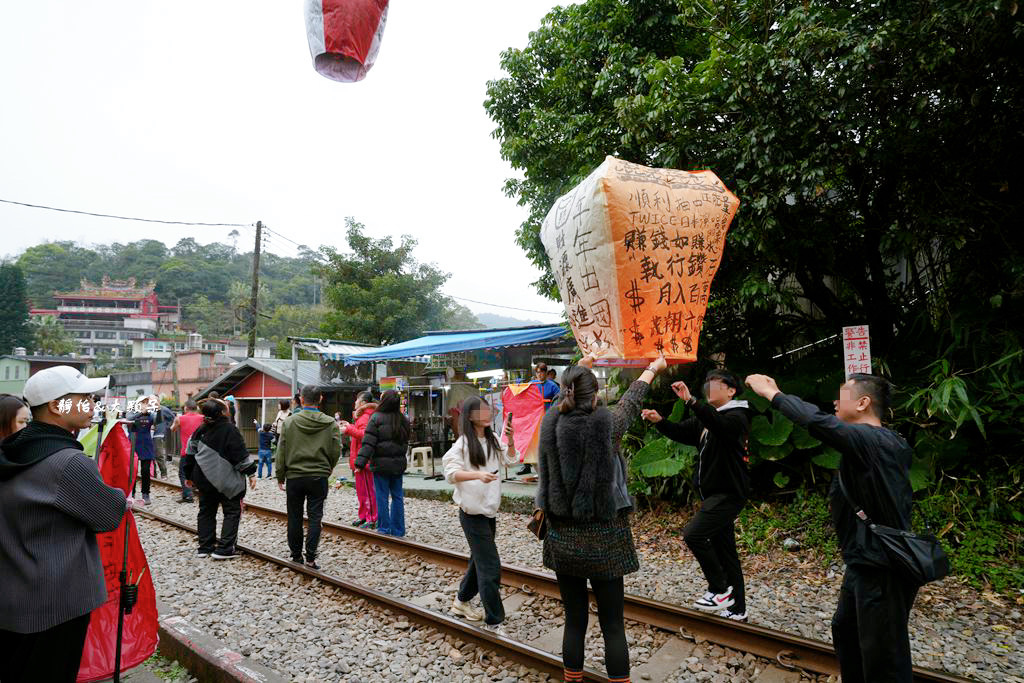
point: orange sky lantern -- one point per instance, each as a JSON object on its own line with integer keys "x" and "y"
{"x": 634, "y": 250}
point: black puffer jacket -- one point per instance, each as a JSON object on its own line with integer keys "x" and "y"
{"x": 383, "y": 448}
{"x": 223, "y": 437}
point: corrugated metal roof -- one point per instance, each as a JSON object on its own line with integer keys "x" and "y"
{"x": 331, "y": 349}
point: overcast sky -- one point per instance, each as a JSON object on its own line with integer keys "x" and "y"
{"x": 212, "y": 112}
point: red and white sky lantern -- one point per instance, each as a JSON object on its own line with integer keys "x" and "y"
{"x": 344, "y": 36}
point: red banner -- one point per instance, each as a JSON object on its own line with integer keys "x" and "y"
{"x": 140, "y": 627}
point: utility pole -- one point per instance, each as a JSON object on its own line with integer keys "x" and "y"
{"x": 174, "y": 375}
{"x": 255, "y": 289}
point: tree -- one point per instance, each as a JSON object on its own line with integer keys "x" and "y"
{"x": 211, "y": 318}
{"x": 875, "y": 150}
{"x": 292, "y": 321}
{"x": 378, "y": 292}
{"x": 886, "y": 129}
{"x": 14, "y": 320}
{"x": 51, "y": 339}
{"x": 54, "y": 266}
{"x": 461, "y": 318}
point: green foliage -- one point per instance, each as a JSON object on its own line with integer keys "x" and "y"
{"x": 805, "y": 517}
{"x": 773, "y": 432}
{"x": 212, "y": 283}
{"x": 379, "y": 293}
{"x": 980, "y": 525}
{"x": 836, "y": 124}
{"x": 50, "y": 338}
{"x": 14, "y": 319}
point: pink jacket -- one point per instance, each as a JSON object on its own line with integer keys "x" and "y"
{"x": 356, "y": 431}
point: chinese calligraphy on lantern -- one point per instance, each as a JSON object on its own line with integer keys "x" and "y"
{"x": 634, "y": 251}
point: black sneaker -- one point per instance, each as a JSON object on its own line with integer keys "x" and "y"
{"x": 313, "y": 565}
{"x": 297, "y": 560}
{"x": 525, "y": 469}
{"x": 224, "y": 556}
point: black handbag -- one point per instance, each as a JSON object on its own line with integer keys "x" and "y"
{"x": 918, "y": 557}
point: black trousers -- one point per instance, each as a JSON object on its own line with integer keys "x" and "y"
{"x": 145, "y": 468}
{"x": 311, "y": 492}
{"x": 483, "y": 575}
{"x": 610, "y": 595}
{"x": 52, "y": 655}
{"x": 206, "y": 522}
{"x": 869, "y": 628}
{"x": 711, "y": 536}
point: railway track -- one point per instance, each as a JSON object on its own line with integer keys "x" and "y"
{"x": 787, "y": 650}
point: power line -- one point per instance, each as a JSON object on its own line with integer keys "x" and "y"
{"x": 511, "y": 308}
{"x": 125, "y": 218}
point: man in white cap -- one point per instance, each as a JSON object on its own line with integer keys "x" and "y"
{"x": 52, "y": 504}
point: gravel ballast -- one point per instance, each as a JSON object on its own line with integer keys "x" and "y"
{"x": 953, "y": 627}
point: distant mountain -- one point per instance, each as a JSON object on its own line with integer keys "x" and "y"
{"x": 495, "y": 320}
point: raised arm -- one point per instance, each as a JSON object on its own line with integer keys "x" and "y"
{"x": 687, "y": 432}
{"x": 627, "y": 410}
{"x": 82, "y": 494}
{"x": 846, "y": 438}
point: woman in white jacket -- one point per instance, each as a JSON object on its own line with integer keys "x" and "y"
{"x": 472, "y": 465}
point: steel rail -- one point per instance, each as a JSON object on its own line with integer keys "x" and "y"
{"x": 791, "y": 651}
{"x": 520, "y": 652}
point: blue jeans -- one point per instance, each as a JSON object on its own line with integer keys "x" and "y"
{"x": 266, "y": 458}
{"x": 390, "y": 518}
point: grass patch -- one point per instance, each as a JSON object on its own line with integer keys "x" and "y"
{"x": 165, "y": 669}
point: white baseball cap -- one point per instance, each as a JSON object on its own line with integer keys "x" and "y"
{"x": 52, "y": 383}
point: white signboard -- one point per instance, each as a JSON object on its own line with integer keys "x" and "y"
{"x": 856, "y": 350}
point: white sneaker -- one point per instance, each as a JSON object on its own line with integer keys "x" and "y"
{"x": 467, "y": 610}
{"x": 496, "y": 629}
{"x": 715, "y": 602}
{"x": 735, "y": 616}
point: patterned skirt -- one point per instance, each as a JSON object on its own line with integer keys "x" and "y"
{"x": 602, "y": 549}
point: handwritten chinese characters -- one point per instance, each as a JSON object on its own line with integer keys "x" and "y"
{"x": 634, "y": 251}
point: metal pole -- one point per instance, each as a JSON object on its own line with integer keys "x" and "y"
{"x": 295, "y": 369}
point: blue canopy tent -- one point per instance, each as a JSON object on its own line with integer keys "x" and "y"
{"x": 462, "y": 340}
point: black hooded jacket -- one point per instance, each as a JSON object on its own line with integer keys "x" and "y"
{"x": 383, "y": 448}
{"x": 721, "y": 440}
{"x": 223, "y": 437}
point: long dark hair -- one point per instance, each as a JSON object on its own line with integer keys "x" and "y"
{"x": 477, "y": 457}
{"x": 389, "y": 406}
{"x": 579, "y": 390}
{"x": 9, "y": 407}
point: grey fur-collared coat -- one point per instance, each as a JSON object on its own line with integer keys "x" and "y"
{"x": 582, "y": 489}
